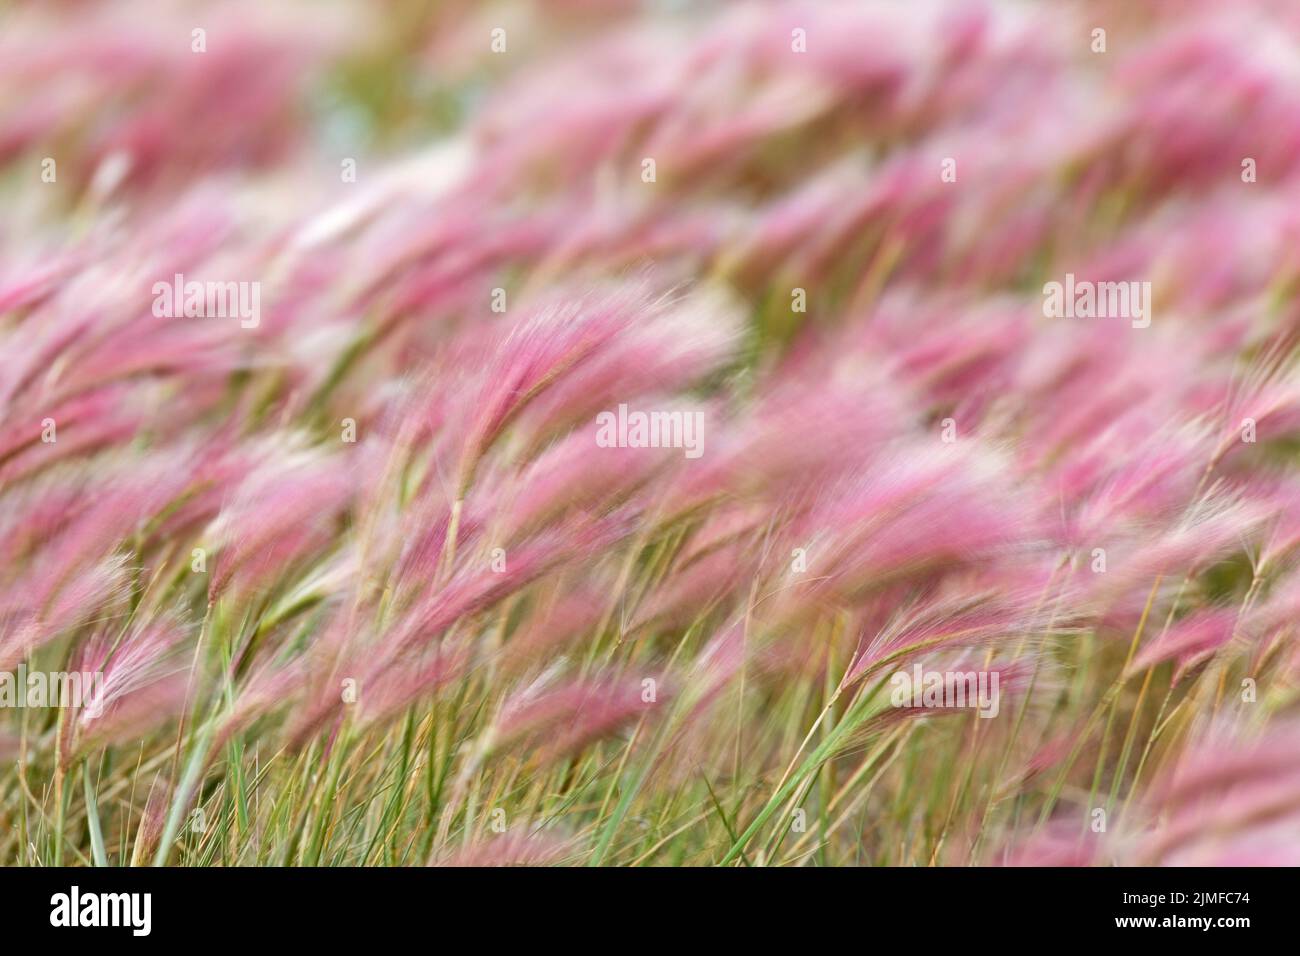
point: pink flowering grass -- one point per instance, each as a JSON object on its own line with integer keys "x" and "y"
{"x": 362, "y": 576}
